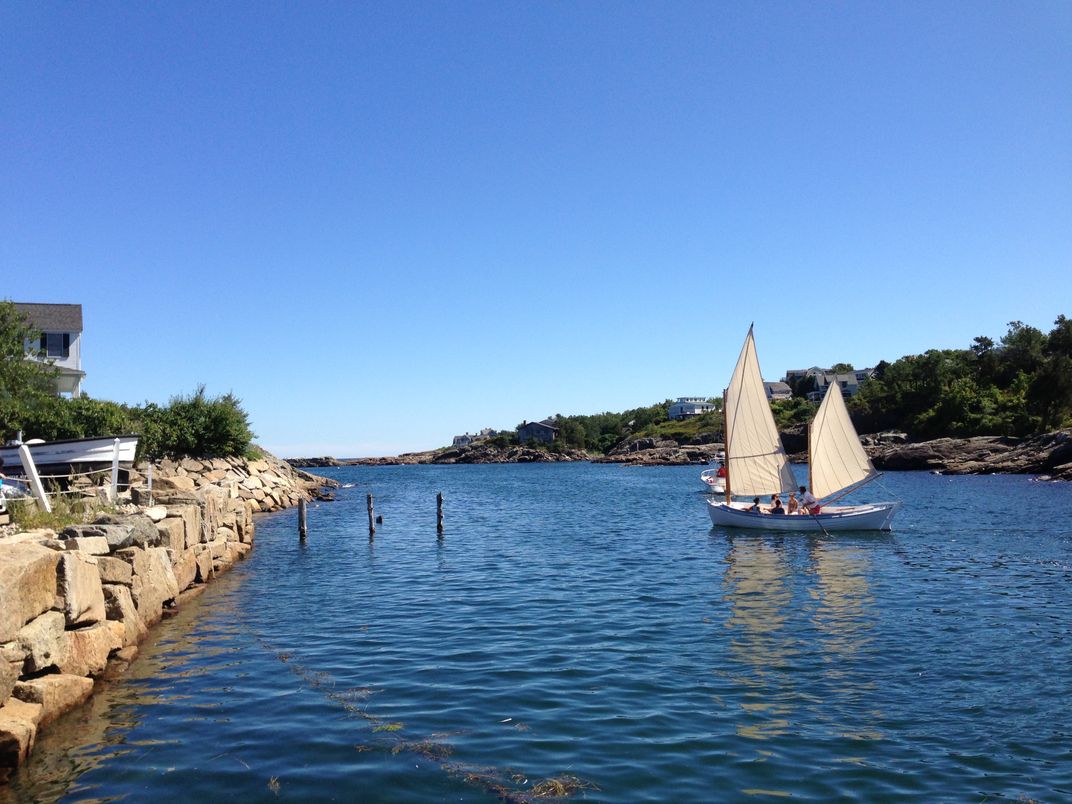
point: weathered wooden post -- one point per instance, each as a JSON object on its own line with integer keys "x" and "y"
{"x": 303, "y": 529}
{"x": 371, "y": 519}
{"x": 150, "y": 475}
{"x": 439, "y": 512}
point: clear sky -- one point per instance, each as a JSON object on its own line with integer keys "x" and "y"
{"x": 383, "y": 224}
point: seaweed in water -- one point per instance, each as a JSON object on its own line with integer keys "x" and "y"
{"x": 559, "y": 787}
{"x": 425, "y": 748}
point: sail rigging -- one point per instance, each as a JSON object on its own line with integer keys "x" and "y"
{"x": 755, "y": 459}
{"x": 835, "y": 456}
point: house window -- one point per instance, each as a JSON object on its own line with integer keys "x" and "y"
{"x": 56, "y": 344}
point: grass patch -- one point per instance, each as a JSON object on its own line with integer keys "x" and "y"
{"x": 26, "y": 514}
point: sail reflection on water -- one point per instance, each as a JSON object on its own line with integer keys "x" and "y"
{"x": 758, "y": 596}
{"x": 844, "y": 619}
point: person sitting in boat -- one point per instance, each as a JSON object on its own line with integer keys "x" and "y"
{"x": 791, "y": 504}
{"x": 808, "y": 501}
{"x": 755, "y": 506}
{"x": 721, "y": 470}
{"x": 776, "y": 505}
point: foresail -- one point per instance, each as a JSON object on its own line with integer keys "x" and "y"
{"x": 837, "y": 459}
{"x": 756, "y": 461}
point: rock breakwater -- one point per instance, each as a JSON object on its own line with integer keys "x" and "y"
{"x": 74, "y": 605}
{"x": 267, "y": 483}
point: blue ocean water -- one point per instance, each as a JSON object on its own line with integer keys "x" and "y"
{"x": 581, "y": 630}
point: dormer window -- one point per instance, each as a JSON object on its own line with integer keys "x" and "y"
{"x": 56, "y": 344}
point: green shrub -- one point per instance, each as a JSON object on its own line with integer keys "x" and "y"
{"x": 194, "y": 425}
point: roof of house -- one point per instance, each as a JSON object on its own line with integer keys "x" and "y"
{"x": 777, "y": 385}
{"x": 52, "y": 317}
{"x": 545, "y": 423}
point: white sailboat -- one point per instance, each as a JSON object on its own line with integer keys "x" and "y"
{"x": 713, "y": 483}
{"x": 758, "y": 466}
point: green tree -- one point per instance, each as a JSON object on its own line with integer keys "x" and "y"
{"x": 1049, "y": 395}
{"x": 25, "y": 385}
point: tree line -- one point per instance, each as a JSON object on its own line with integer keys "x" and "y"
{"x": 190, "y": 424}
{"x": 1019, "y": 385}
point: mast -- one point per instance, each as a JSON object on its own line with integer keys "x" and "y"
{"x": 810, "y": 484}
{"x": 725, "y": 447}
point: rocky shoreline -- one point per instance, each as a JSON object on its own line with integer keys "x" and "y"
{"x": 1048, "y": 455}
{"x": 74, "y": 605}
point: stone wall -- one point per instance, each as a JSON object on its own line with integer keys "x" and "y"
{"x": 269, "y": 484}
{"x": 75, "y": 605}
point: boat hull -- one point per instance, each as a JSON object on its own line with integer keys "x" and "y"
{"x": 74, "y": 451}
{"x": 712, "y": 482}
{"x": 875, "y": 516}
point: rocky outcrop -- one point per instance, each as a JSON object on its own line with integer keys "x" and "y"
{"x": 663, "y": 452}
{"x": 74, "y": 604}
{"x": 314, "y": 463}
{"x": 472, "y": 453}
{"x": 1049, "y": 455}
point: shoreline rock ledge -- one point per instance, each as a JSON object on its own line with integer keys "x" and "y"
{"x": 472, "y": 453}
{"x": 1048, "y": 455}
{"x": 75, "y": 604}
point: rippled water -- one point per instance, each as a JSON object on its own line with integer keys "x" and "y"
{"x": 585, "y": 624}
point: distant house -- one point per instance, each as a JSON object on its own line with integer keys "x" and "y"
{"x": 795, "y": 375}
{"x": 60, "y": 326}
{"x": 689, "y": 406}
{"x": 777, "y": 390}
{"x": 537, "y": 431}
{"x": 848, "y": 381}
{"x": 472, "y": 438}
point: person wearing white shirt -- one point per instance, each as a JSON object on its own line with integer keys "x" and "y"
{"x": 808, "y": 501}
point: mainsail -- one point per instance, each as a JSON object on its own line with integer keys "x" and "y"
{"x": 836, "y": 458}
{"x": 755, "y": 459}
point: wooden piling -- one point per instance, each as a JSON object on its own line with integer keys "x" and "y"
{"x": 439, "y": 512}
{"x": 303, "y": 526}
{"x": 371, "y": 519}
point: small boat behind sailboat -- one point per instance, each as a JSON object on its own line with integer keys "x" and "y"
{"x": 758, "y": 466}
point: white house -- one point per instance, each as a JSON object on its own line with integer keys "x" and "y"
{"x": 688, "y": 406}
{"x": 60, "y": 326}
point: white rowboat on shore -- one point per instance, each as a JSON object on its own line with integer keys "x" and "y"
{"x": 73, "y": 451}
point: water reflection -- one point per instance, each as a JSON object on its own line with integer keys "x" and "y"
{"x": 845, "y": 622}
{"x": 758, "y": 595}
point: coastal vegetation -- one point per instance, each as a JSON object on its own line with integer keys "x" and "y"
{"x": 194, "y": 424}
{"x": 1019, "y": 385}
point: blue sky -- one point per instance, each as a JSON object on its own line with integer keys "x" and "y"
{"x": 380, "y": 225}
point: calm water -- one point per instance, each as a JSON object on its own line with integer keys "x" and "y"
{"x": 585, "y": 624}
